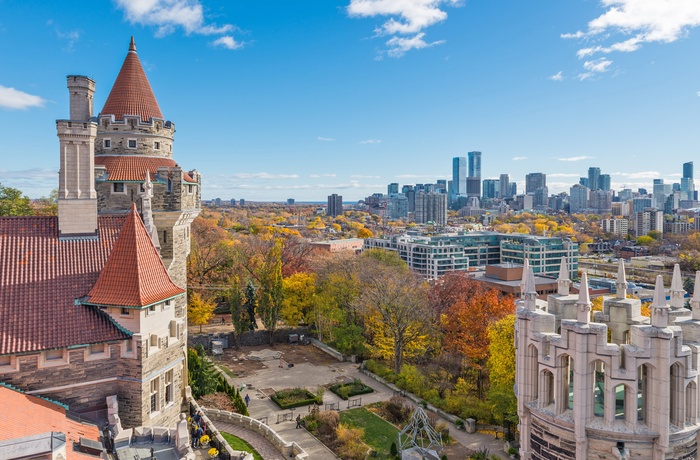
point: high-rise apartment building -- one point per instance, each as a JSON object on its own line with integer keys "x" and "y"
{"x": 604, "y": 182}
{"x": 687, "y": 183}
{"x": 578, "y": 198}
{"x": 459, "y": 176}
{"x": 688, "y": 170}
{"x": 431, "y": 207}
{"x": 335, "y": 205}
{"x": 392, "y": 188}
{"x": 533, "y": 181}
{"x": 593, "y": 177}
{"x": 504, "y": 187}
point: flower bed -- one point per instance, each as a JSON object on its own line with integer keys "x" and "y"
{"x": 293, "y": 397}
{"x": 348, "y": 390}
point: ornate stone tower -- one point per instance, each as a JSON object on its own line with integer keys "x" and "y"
{"x": 133, "y": 140}
{"x": 77, "y": 200}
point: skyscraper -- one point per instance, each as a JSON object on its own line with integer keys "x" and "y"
{"x": 491, "y": 188}
{"x": 393, "y": 188}
{"x": 604, "y": 182}
{"x": 459, "y": 176}
{"x": 688, "y": 170}
{"x": 474, "y": 164}
{"x": 335, "y": 205}
{"x": 687, "y": 183}
{"x": 593, "y": 176}
{"x": 578, "y": 198}
{"x": 534, "y": 181}
{"x": 504, "y": 187}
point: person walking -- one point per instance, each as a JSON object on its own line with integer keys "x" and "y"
{"x": 247, "y": 400}
{"x": 299, "y": 421}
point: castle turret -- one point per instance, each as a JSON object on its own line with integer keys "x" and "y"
{"x": 621, "y": 282}
{"x": 77, "y": 199}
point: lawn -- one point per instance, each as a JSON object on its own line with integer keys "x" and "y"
{"x": 239, "y": 444}
{"x": 379, "y": 434}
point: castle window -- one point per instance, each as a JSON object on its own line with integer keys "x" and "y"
{"x": 108, "y": 143}
{"x": 53, "y": 355}
{"x": 156, "y": 145}
{"x": 53, "y": 358}
{"x": 151, "y": 309}
{"x": 118, "y": 187}
{"x": 125, "y": 312}
{"x": 154, "y": 395}
{"x": 129, "y": 346}
{"x": 599, "y": 389}
{"x": 166, "y": 305}
{"x": 97, "y": 348}
{"x": 131, "y": 143}
{"x": 169, "y": 387}
{"x": 173, "y": 329}
{"x": 97, "y": 351}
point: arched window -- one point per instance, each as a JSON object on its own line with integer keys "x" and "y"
{"x": 620, "y": 398}
{"x": 547, "y": 394}
{"x": 676, "y": 404}
{"x": 532, "y": 372}
{"x": 691, "y": 404}
{"x": 598, "y": 388}
{"x": 564, "y": 393}
{"x": 643, "y": 377}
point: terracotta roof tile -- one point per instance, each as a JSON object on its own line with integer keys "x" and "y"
{"x": 131, "y": 93}
{"x": 28, "y": 415}
{"x": 134, "y": 274}
{"x": 134, "y": 167}
{"x": 40, "y": 278}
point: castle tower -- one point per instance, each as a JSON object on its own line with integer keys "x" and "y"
{"x": 134, "y": 141}
{"x": 77, "y": 199}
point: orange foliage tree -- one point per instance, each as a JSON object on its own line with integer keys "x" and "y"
{"x": 468, "y": 308}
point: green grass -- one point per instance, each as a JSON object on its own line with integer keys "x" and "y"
{"x": 239, "y": 444}
{"x": 228, "y": 371}
{"x": 379, "y": 434}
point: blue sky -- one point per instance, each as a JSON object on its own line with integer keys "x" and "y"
{"x": 299, "y": 99}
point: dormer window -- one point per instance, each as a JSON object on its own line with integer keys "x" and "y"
{"x": 131, "y": 143}
{"x": 107, "y": 143}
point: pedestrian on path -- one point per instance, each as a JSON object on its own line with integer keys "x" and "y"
{"x": 247, "y": 400}
{"x": 299, "y": 421}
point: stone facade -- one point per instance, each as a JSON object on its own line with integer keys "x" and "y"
{"x": 624, "y": 386}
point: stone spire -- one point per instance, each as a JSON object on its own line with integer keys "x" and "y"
{"x": 677, "y": 291}
{"x": 523, "y": 281}
{"x": 147, "y": 210}
{"x": 621, "y": 282}
{"x": 563, "y": 282}
{"x": 659, "y": 307}
{"x": 530, "y": 296}
{"x": 132, "y": 45}
{"x": 695, "y": 301}
{"x": 584, "y": 301}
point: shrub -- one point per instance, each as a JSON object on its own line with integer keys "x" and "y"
{"x": 294, "y": 397}
{"x": 346, "y": 390}
{"x": 351, "y": 445}
{"x": 512, "y": 451}
{"x": 393, "y": 451}
{"x": 320, "y": 391}
{"x": 396, "y": 410}
{"x": 328, "y": 424}
{"x": 481, "y": 454}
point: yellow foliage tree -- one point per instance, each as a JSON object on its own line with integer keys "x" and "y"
{"x": 501, "y": 364}
{"x": 299, "y": 296}
{"x": 199, "y": 310}
{"x": 350, "y": 440}
{"x": 364, "y": 233}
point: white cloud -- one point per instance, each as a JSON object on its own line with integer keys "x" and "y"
{"x": 697, "y": 94}
{"x": 519, "y": 158}
{"x": 371, "y": 141}
{"x": 557, "y": 76}
{"x": 321, "y": 175}
{"x": 578, "y": 158}
{"x": 398, "y": 46}
{"x": 415, "y": 176}
{"x": 628, "y": 24}
{"x": 639, "y": 175}
{"x": 360, "y": 176}
{"x": 228, "y": 42}
{"x": 168, "y": 15}
{"x": 11, "y": 98}
{"x": 563, "y": 175}
{"x": 405, "y": 17}
{"x": 594, "y": 67}
{"x": 264, "y": 175}
{"x": 326, "y": 139}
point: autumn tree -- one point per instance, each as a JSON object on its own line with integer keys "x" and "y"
{"x": 465, "y": 322}
{"x": 14, "y": 203}
{"x": 240, "y": 318}
{"x": 501, "y": 365}
{"x": 299, "y": 298}
{"x": 271, "y": 295}
{"x": 199, "y": 310}
{"x": 47, "y": 205}
{"x": 211, "y": 254}
{"x": 396, "y": 300}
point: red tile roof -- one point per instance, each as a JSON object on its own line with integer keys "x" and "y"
{"x": 131, "y": 93}
{"x": 40, "y": 278}
{"x": 133, "y": 167}
{"x": 134, "y": 274}
{"x": 28, "y": 415}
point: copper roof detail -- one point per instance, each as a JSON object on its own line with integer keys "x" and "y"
{"x": 134, "y": 274}
{"x": 131, "y": 93}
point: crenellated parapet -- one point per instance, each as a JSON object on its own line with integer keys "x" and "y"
{"x": 584, "y": 387}
{"x": 134, "y": 136}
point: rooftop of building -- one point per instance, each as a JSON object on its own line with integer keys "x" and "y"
{"x": 133, "y": 168}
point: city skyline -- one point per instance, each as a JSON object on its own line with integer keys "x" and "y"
{"x": 305, "y": 100}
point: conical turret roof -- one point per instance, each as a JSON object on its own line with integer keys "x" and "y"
{"x": 131, "y": 93}
{"x": 134, "y": 274}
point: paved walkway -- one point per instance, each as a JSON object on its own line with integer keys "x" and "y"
{"x": 311, "y": 376}
{"x": 262, "y": 445}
